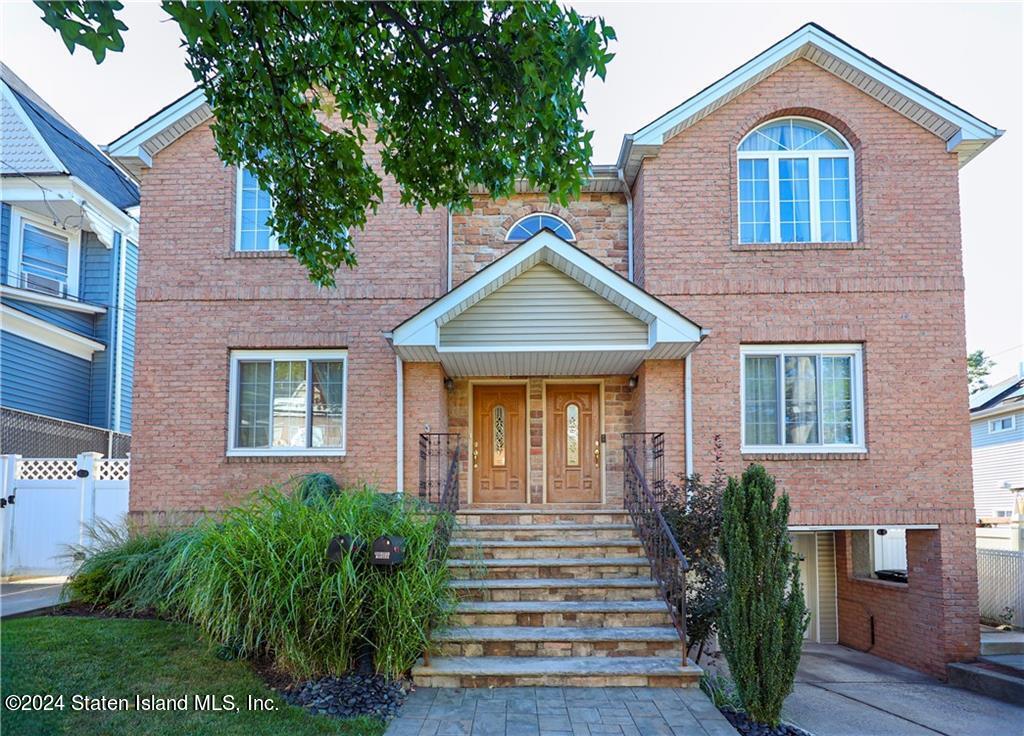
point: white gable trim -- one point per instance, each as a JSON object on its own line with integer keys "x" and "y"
{"x": 15, "y": 103}
{"x": 45, "y": 333}
{"x": 670, "y": 335}
{"x": 136, "y": 148}
{"x": 964, "y": 133}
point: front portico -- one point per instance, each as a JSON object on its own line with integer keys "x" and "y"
{"x": 540, "y": 361}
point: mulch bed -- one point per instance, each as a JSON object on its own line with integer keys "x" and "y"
{"x": 747, "y": 727}
{"x": 83, "y": 609}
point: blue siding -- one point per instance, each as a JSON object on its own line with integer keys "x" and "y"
{"x": 40, "y": 379}
{"x": 127, "y": 357}
{"x": 74, "y": 321}
{"x": 102, "y": 282}
{"x": 96, "y": 272}
{"x": 5, "y": 239}
{"x": 980, "y": 436}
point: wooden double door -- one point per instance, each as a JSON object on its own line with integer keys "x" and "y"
{"x": 572, "y": 443}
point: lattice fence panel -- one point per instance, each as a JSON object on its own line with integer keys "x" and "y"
{"x": 47, "y": 469}
{"x": 112, "y": 469}
{"x": 1001, "y": 585}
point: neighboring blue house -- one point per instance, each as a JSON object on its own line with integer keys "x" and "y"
{"x": 68, "y": 269}
{"x": 997, "y": 444}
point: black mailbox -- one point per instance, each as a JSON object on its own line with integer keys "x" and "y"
{"x": 344, "y": 545}
{"x": 388, "y": 551}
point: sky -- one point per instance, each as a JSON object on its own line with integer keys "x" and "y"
{"x": 970, "y": 53}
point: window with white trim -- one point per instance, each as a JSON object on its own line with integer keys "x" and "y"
{"x": 796, "y": 184}
{"x": 287, "y": 402}
{"x": 254, "y": 206}
{"x": 44, "y": 257}
{"x": 802, "y": 398}
{"x": 530, "y": 225}
{"x": 1002, "y": 424}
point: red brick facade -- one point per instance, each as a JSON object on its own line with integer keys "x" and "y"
{"x": 898, "y": 291}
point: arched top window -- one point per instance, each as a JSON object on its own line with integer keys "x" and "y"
{"x": 530, "y": 225}
{"x": 796, "y": 184}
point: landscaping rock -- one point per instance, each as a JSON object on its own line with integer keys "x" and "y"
{"x": 349, "y": 696}
{"x": 747, "y": 727}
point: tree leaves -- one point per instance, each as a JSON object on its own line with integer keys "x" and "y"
{"x": 453, "y": 95}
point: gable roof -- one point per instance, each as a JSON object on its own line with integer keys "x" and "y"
{"x": 56, "y": 141}
{"x": 1012, "y": 389}
{"x": 964, "y": 133}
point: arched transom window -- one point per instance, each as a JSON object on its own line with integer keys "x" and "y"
{"x": 796, "y": 184}
{"x": 530, "y": 225}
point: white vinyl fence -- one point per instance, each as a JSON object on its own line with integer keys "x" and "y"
{"x": 50, "y": 502}
{"x": 1001, "y": 585}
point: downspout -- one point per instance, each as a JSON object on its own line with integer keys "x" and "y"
{"x": 449, "y": 249}
{"x": 629, "y": 221}
{"x": 688, "y": 412}
{"x": 400, "y": 425}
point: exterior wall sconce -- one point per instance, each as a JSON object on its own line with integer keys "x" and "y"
{"x": 449, "y": 384}
{"x": 633, "y": 382}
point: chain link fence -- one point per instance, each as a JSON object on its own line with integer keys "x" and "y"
{"x": 1001, "y": 586}
{"x": 33, "y": 435}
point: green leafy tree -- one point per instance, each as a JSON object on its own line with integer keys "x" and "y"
{"x": 979, "y": 366}
{"x": 764, "y": 616}
{"x": 454, "y": 94}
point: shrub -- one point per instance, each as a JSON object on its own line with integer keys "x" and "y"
{"x": 260, "y": 582}
{"x": 315, "y": 487}
{"x": 764, "y": 617}
{"x": 693, "y": 512}
{"x": 125, "y": 567}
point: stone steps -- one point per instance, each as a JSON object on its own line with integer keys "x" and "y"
{"x": 554, "y": 595}
{"x": 544, "y": 549}
{"x": 579, "y": 567}
{"x": 558, "y": 641}
{"x": 516, "y": 532}
{"x": 557, "y": 589}
{"x": 588, "y": 614}
{"x": 556, "y": 671}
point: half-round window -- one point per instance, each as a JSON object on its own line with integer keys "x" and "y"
{"x": 796, "y": 184}
{"x": 530, "y": 225}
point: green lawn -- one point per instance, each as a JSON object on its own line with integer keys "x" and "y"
{"x": 122, "y": 658}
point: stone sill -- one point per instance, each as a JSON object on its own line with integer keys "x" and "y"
{"x": 258, "y": 254}
{"x": 763, "y": 247}
{"x": 796, "y": 456}
{"x": 259, "y": 459}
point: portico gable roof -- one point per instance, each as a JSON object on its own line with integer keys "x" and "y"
{"x": 668, "y": 334}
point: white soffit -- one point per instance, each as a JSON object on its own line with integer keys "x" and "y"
{"x": 670, "y": 334}
{"x": 964, "y": 134}
{"x": 135, "y": 149}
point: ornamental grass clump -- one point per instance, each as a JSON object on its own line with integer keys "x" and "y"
{"x": 259, "y": 581}
{"x": 764, "y": 617}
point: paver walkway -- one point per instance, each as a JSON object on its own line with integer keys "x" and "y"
{"x": 559, "y": 711}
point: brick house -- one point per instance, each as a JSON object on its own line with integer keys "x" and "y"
{"x": 775, "y": 261}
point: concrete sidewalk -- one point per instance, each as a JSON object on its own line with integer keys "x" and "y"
{"x": 25, "y": 596}
{"x": 842, "y": 692}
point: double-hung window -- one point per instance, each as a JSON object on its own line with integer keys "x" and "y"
{"x": 802, "y": 398}
{"x": 795, "y": 184}
{"x": 254, "y": 207}
{"x": 289, "y": 402}
{"x": 44, "y": 257}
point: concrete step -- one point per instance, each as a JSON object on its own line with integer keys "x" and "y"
{"x": 536, "y": 515}
{"x": 584, "y": 614}
{"x": 511, "y": 532}
{"x": 557, "y": 589}
{"x": 556, "y": 671}
{"x": 494, "y": 549}
{"x": 557, "y": 567}
{"x": 558, "y": 641}
{"x": 988, "y": 679}
{"x": 1002, "y": 642}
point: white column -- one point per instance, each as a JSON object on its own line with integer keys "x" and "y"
{"x": 86, "y": 462}
{"x": 8, "y": 476}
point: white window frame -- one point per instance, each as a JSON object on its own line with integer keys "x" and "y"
{"x": 814, "y": 183}
{"x": 514, "y": 225}
{"x": 19, "y": 217}
{"x": 856, "y": 351}
{"x": 993, "y": 429}
{"x": 275, "y": 245}
{"x": 239, "y": 356}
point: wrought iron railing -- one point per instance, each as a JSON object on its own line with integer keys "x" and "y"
{"x": 34, "y": 435}
{"x": 440, "y": 461}
{"x": 644, "y": 471}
